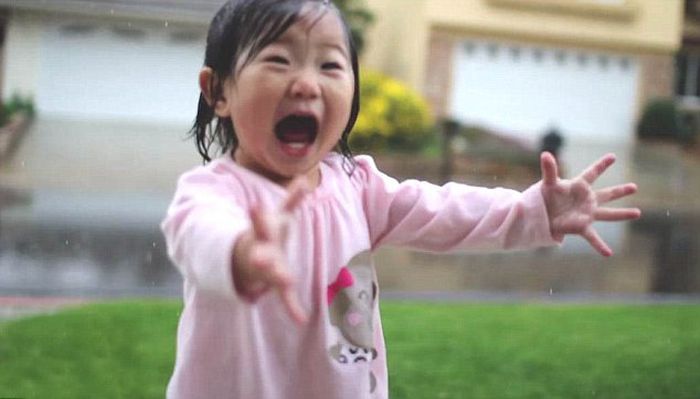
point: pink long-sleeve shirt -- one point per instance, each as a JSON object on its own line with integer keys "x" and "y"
{"x": 229, "y": 348}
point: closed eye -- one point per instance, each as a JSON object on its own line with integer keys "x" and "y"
{"x": 331, "y": 66}
{"x": 277, "y": 59}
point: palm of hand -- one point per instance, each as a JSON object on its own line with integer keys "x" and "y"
{"x": 264, "y": 267}
{"x": 572, "y": 205}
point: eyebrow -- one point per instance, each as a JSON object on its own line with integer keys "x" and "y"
{"x": 336, "y": 46}
{"x": 288, "y": 40}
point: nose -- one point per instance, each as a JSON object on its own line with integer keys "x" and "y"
{"x": 305, "y": 85}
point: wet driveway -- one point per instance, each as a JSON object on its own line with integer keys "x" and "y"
{"x": 82, "y": 206}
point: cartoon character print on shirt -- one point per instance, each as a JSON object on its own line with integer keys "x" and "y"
{"x": 351, "y": 301}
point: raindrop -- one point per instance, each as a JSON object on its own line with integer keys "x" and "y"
{"x": 67, "y": 242}
{"x": 153, "y": 244}
{"x": 668, "y": 212}
{"x": 551, "y": 292}
{"x": 23, "y": 163}
{"x": 111, "y": 11}
{"x": 166, "y": 24}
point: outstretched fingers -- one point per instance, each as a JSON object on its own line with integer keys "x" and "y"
{"x": 291, "y": 303}
{"x": 548, "y": 165}
{"x": 268, "y": 257}
{"x": 616, "y": 192}
{"x": 611, "y": 194}
{"x": 596, "y": 169}
{"x": 616, "y": 214}
{"x": 261, "y": 225}
{"x": 275, "y": 273}
{"x": 596, "y": 242}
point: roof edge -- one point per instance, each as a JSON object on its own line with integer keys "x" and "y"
{"x": 183, "y": 12}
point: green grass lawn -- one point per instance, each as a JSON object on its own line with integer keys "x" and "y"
{"x": 126, "y": 350}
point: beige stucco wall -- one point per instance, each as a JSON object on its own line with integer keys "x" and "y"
{"x": 398, "y": 37}
{"x": 398, "y": 43}
{"x": 22, "y": 43}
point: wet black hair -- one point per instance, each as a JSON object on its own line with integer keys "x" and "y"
{"x": 242, "y": 28}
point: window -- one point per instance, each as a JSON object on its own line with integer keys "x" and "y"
{"x": 560, "y": 56}
{"x": 492, "y": 49}
{"x": 625, "y": 63}
{"x": 186, "y": 36}
{"x": 128, "y": 32}
{"x": 515, "y": 52}
{"x": 688, "y": 75}
{"x": 538, "y": 54}
{"x": 582, "y": 59}
{"x": 76, "y": 29}
{"x": 469, "y": 48}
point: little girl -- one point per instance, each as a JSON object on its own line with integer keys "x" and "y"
{"x": 274, "y": 237}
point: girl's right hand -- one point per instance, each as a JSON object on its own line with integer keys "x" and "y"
{"x": 259, "y": 256}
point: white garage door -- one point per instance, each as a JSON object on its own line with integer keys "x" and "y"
{"x": 119, "y": 71}
{"x": 523, "y": 90}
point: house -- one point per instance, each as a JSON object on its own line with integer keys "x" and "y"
{"x": 520, "y": 67}
{"x": 687, "y": 88}
{"x": 585, "y": 67}
{"x": 105, "y": 59}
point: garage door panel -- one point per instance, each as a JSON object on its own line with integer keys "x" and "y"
{"x": 523, "y": 90}
{"x": 100, "y": 73}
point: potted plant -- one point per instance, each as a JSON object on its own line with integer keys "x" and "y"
{"x": 15, "y": 115}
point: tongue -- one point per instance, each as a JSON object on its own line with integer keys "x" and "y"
{"x": 295, "y": 136}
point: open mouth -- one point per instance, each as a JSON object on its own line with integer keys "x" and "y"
{"x": 296, "y": 131}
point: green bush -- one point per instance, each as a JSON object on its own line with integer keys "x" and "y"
{"x": 16, "y": 104}
{"x": 661, "y": 119}
{"x": 391, "y": 116}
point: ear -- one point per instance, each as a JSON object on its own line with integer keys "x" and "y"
{"x": 207, "y": 84}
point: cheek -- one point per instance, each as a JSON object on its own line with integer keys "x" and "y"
{"x": 341, "y": 101}
{"x": 251, "y": 108}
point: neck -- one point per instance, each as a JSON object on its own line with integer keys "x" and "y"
{"x": 312, "y": 176}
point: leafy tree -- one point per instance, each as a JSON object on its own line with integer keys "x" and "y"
{"x": 359, "y": 17}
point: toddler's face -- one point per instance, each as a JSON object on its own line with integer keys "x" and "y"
{"x": 290, "y": 104}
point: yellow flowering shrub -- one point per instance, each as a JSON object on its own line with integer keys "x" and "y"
{"x": 391, "y": 116}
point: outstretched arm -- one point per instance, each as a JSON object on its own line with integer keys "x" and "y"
{"x": 259, "y": 258}
{"x": 573, "y": 205}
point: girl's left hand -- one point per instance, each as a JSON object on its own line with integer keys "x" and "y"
{"x": 573, "y": 205}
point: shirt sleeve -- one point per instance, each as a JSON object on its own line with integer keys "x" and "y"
{"x": 201, "y": 227}
{"x": 451, "y": 217}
